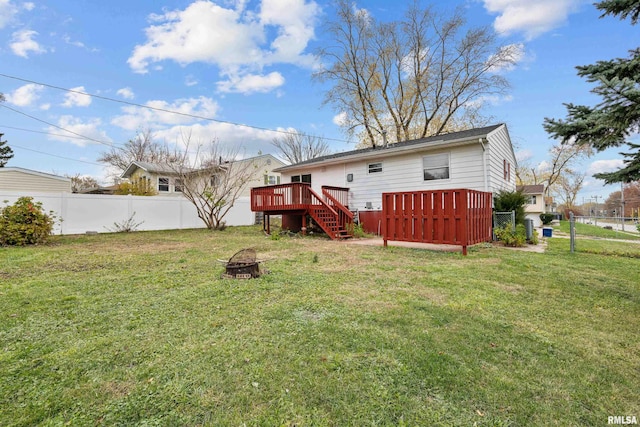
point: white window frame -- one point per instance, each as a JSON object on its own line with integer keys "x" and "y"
{"x": 448, "y": 166}
{"x": 376, "y": 168}
{"x": 163, "y": 182}
{"x": 178, "y": 185}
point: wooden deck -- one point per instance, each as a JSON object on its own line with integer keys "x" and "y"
{"x": 329, "y": 211}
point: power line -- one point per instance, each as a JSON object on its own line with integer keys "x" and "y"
{"x": 164, "y": 110}
{"x": 42, "y": 132}
{"x": 108, "y": 144}
{"x": 55, "y": 155}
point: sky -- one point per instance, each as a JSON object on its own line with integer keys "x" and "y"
{"x": 240, "y": 70}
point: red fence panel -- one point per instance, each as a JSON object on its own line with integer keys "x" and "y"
{"x": 455, "y": 217}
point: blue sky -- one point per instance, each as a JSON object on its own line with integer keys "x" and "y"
{"x": 251, "y": 63}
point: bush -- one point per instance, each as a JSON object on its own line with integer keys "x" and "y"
{"x": 507, "y": 201}
{"x": 24, "y": 223}
{"x": 517, "y": 238}
{"x": 546, "y": 218}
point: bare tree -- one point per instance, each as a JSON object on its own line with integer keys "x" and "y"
{"x": 297, "y": 147}
{"x": 569, "y": 185}
{"x": 555, "y": 172}
{"x": 212, "y": 179}
{"x": 82, "y": 182}
{"x": 412, "y": 78}
{"x": 141, "y": 148}
{"x": 563, "y": 157}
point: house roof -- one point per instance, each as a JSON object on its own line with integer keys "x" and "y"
{"x": 32, "y": 172}
{"x": 159, "y": 168}
{"x": 531, "y": 189}
{"x": 167, "y": 169}
{"x": 453, "y": 138}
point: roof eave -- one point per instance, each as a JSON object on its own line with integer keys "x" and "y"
{"x": 428, "y": 146}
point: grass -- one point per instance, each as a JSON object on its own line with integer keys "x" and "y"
{"x": 139, "y": 329}
{"x": 598, "y": 231}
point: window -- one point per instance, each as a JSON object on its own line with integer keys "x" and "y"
{"x": 163, "y": 184}
{"x": 375, "y": 167}
{"x": 507, "y": 170}
{"x": 177, "y": 186}
{"x": 436, "y": 166}
{"x": 531, "y": 200}
{"x": 214, "y": 181}
{"x": 301, "y": 178}
{"x": 271, "y": 180}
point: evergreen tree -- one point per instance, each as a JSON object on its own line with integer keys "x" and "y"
{"x": 611, "y": 122}
{"x": 6, "y": 152}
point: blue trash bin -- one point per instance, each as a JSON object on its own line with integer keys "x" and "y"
{"x": 547, "y": 232}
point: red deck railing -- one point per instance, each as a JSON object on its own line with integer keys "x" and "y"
{"x": 298, "y": 198}
{"x": 456, "y": 217}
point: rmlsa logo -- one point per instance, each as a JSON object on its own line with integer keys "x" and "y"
{"x": 623, "y": 420}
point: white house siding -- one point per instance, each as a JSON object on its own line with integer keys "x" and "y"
{"x": 26, "y": 181}
{"x": 499, "y": 148}
{"x": 399, "y": 173}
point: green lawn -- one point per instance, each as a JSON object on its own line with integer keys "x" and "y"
{"x": 139, "y": 329}
{"x": 593, "y": 230}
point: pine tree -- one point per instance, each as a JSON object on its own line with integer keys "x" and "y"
{"x": 6, "y": 152}
{"x": 612, "y": 121}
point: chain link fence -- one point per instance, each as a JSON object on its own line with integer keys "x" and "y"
{"x": 504, "y": 219}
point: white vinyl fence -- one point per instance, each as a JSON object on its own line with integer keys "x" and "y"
{"x": 97, "y": 212}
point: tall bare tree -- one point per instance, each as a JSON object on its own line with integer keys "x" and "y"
{"x": 141, "y": 148}
{"x": 297, "y": 147}
{"x": 212, "y": 179}
{"x": 568, "y": 187}
{"x": 413, "y": 78}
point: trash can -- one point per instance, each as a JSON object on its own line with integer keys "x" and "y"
{"x": 528, "y": 225}
{"x": 547, "y": 232}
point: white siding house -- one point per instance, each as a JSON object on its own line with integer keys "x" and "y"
{"x": 535, "y": 202}
{"x": 165, "y": 181}
{"x": 28, "y": 181}
{"x": 478, "y": 159}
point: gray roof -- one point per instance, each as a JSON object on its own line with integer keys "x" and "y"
{"x": 469, "y": 134}
{"x": 531, "y": 189}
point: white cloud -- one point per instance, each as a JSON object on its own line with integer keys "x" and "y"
{"x": 252, "y": 83}
{"x": 340, "y": 119}
{"x": 604, "y": 166}
{"x": 126, "y": 93}
{"x": 190, "y": 81}
{"x": 25, "y": 95}
{"x": 244, "y": 141}
{"x": 141, "y": 118}
{"x": 89, "y": 129}
{"x": 532, "y": 18}
{"x": 29, "y": 6}
{"x": 507, "y": 59}
{"x": 75, "y": 99}
{"x": 22, "y": 43}
{"x": 524, "y": 155}
{"x": 240, "y": 42}
{"x": 7, "y": 12}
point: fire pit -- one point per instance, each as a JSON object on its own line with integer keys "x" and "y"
{"x": 242, "y": 265}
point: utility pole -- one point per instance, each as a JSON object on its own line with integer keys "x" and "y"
{"x": 622, "y": 203}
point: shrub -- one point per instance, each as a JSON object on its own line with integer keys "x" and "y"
{"x": 507, "y": 201}
{"x": 546, "y": 218}
{"x": 24, "y": 223}
{"x": 508, "y": 237}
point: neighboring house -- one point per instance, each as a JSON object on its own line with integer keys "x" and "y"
{"x": 479, "y": 159}
{"x": 166, "y": 182}
{"x": 30, "y": 181}
{"x": 535, "y": 204}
